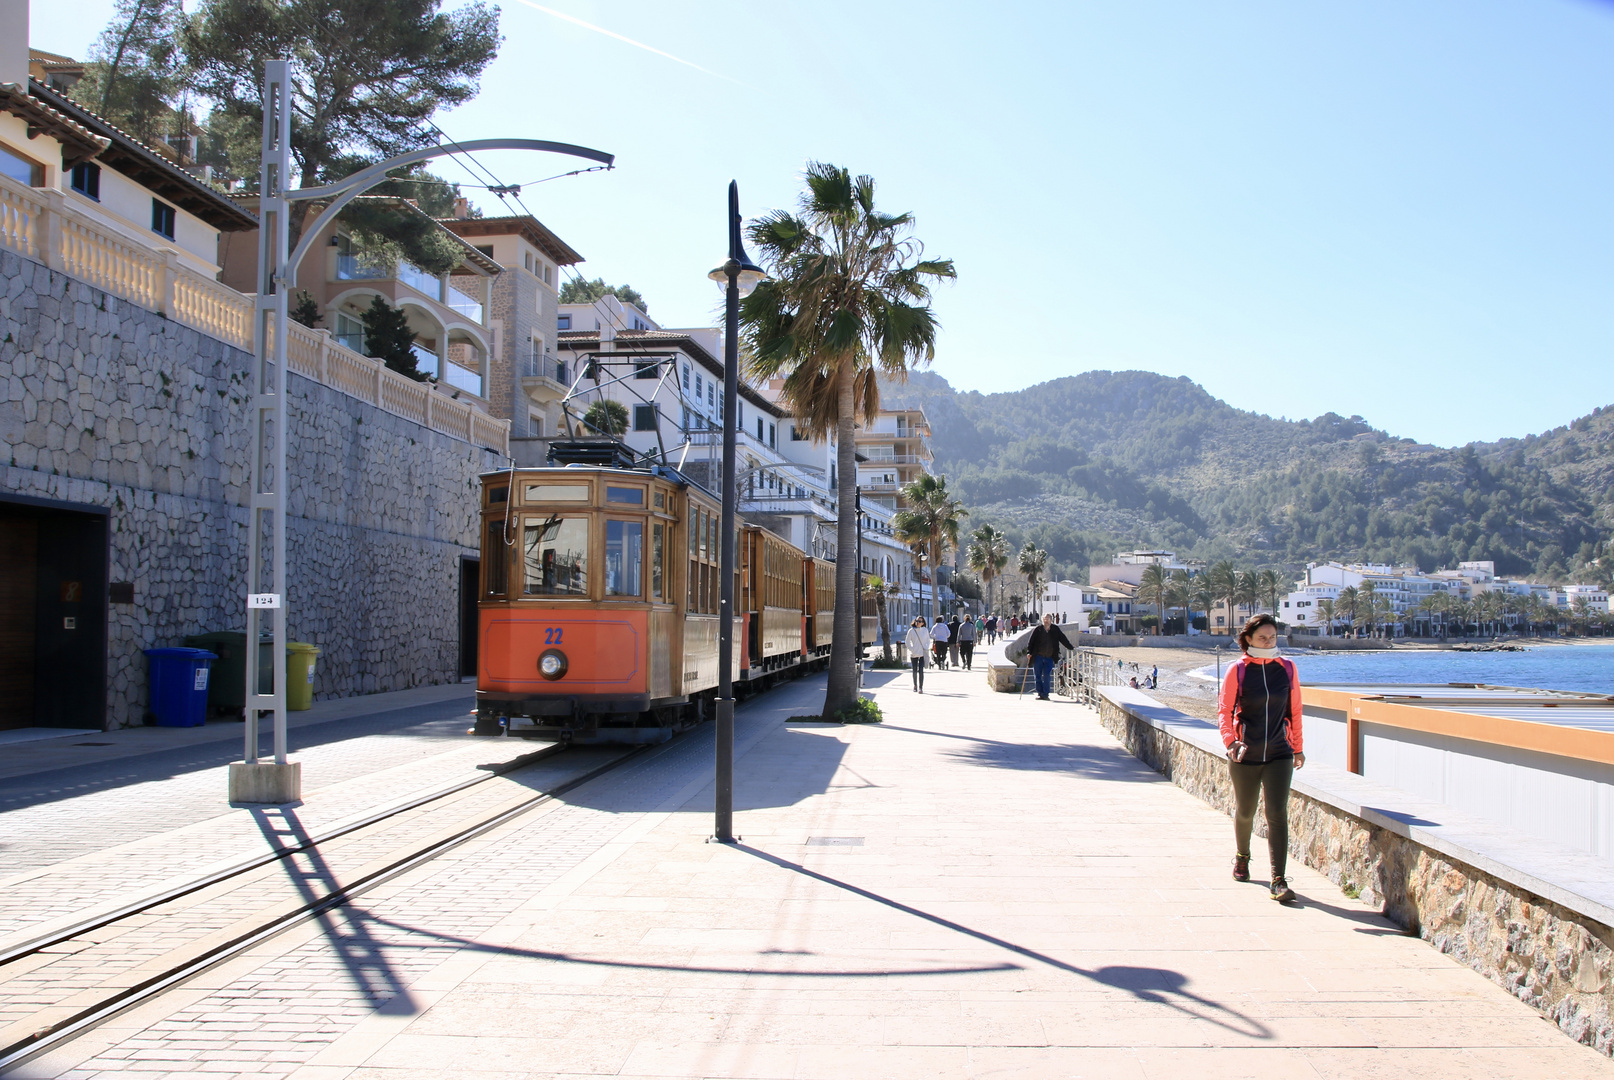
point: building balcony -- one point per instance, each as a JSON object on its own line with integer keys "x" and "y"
{"x": 544, "y": 379}
{"x": 353, "y": 268}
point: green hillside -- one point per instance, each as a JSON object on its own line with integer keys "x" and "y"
{"x": 1103, "y": 459}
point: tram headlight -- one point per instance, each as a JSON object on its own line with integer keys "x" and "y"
{"x": 552, "y": 664}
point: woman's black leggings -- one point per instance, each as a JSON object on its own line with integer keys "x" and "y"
{"x": 918, "y": 664}
{"x": 1270, "y": 781}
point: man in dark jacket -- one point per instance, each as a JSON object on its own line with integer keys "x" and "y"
{"x": 1044, "y": 652}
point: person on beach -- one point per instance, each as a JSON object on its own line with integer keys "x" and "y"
{"x": 918, "y": 642}
{"x": 938, "y": 641}
{"x": 1259, "y": 710}
{"x": 966, "y": 642}
{"x": 1043, "y": 648}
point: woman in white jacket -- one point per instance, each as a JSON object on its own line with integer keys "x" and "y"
{"x": 918, "y": 642}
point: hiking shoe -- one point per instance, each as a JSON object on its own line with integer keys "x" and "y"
{"x": 1241, "y": 868}
{"x": 1281, "y": 892}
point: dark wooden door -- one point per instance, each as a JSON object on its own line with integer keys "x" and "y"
{"x": 19, "y": 574}
{"x": 470, "y": 578}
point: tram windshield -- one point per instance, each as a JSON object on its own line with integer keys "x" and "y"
{"x": 624, "y": 558}
{"x": 555, "y": 556}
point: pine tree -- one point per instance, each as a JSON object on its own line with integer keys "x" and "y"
{"x": 304, "y": 311}
{"x": 387, "y": 337}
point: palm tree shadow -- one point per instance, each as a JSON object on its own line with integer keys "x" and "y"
{"x": 1159, "y": 986}
{"x": 1093, "y": 762}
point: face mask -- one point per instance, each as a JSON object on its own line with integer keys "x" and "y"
{"x": 1262, "y": 654}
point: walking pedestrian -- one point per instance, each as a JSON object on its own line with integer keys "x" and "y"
{"x": 966, "y": 642}
{"x": 938, "y": 641}
{"x": 953, "y": 625}
{"x": 1259, "y": 710}
{"x": 1044, "y": 651}
{"x": 918, "y": 643}
{"x": 991, "y": 629}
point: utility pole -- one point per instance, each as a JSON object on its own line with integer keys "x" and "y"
{"x": 280, "y": 781}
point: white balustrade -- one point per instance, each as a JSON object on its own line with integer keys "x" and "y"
{"x": 39, "y": 224}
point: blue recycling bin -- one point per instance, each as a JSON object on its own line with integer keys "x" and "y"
{"x": 179, "y": 685}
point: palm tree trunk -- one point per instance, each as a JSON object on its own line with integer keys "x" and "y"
{"x": 843, "y": 649}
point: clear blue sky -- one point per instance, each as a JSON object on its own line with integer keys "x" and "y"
{"x": 1399, "y": 209}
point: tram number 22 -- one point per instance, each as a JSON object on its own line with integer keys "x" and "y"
{"x": 552, "y": 634}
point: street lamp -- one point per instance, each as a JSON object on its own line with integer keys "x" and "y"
{"x": 737, "y": 277}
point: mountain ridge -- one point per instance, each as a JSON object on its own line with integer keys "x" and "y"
{"x": 1184, "y": 469}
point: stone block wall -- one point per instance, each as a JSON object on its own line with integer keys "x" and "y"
{"x": 106, "y": 403}
{"x": 1557, "y": 961}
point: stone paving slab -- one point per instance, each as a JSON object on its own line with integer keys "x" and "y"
{"x": 975, "y": 888}
{"x": 169, "y": 820}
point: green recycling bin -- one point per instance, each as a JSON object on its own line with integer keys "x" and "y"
{"x": 300, "y": 657}
{"x": 227, "y": 685}
{"x": 227, "y": 682}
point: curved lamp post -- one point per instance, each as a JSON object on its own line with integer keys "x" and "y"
{"x": 737, "y": 277}
{"x": 252, "y": 781}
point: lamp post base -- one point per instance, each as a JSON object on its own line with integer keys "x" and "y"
{"x": 265, "y": 782}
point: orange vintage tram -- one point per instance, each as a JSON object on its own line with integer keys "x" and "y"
{"x": 599, "y": 601}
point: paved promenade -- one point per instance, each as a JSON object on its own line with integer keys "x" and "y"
{"x": 981, "y": 886}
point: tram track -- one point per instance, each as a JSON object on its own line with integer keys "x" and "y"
{"x": 60, "y": 1023}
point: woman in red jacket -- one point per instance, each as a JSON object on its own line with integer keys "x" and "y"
{"x": 1259, "y": 711}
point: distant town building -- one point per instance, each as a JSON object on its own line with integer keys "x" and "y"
{"x": 1129, "y": 566}
{"x": 1070, "y": 601}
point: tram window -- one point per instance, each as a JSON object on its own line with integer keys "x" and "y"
{"x": 624, "y": 558}
{"x": 659, "y": 500}
{"x": 630, "y": 496}
{"x": 557, "y": 493}
{"x": 555, "y": 554}
{"x": 657, "y": 553}
{"x": 498, "y": 495}
{"x": 496, "y": 561}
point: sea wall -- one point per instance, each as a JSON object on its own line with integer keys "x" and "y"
{"x": 1535, "y": 921}
{"x": 107, "y": 404}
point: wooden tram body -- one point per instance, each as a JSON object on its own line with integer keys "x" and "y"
{"x": 599, "y": 601}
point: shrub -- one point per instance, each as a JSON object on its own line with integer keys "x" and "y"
{"x": 863, "y": 711}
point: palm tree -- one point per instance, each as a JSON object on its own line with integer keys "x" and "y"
{"x": 606, "y": 417}
{"x": 1271, "y": 584}
{"x": 1247, "y": 591}
{"x": 929, "y": 523}
{"x": 1368, "y": 590}
{"x": 1224, "y": 583}
{"x": 1349, "y": 603}
{"x": 1201, "y": 595}
{"x": 1032, "y": 561}
{"x": 882, "y": 590}
{"x": 1153, "y": 587}
{"x": 1384, "y": 615}
{"x": 987, "y": 555}
{"x": 1179, "y": 593}
{"x": 1325, "y": 611}
{"x": 848, "y": 301}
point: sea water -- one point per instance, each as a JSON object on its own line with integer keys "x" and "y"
{"x": 1586, "y": 668}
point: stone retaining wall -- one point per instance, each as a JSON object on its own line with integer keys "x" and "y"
{"x": 1554, "y": 959}
{"x": 103, "y": 402}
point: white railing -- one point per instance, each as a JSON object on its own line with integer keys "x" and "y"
{"x": 464, "y": 303}
{"x": 40, "y": 224}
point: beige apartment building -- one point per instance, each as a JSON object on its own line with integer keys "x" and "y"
{"x": 896, "y": 451}
{"x": 527, "y": 375}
